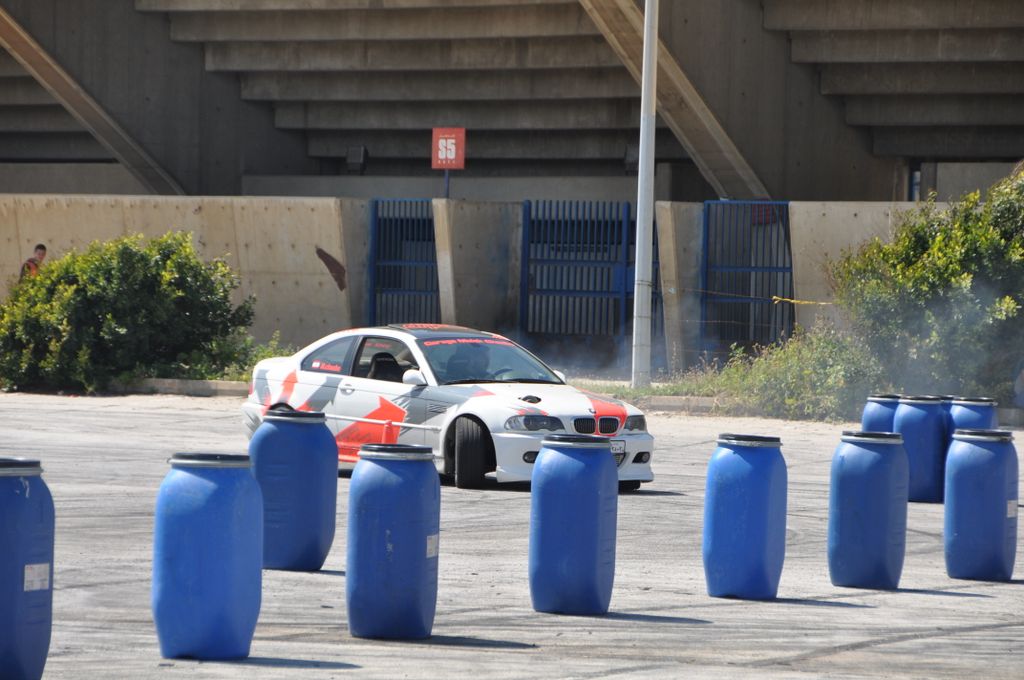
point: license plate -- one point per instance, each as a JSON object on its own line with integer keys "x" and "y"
{"x": 618, "y": 446}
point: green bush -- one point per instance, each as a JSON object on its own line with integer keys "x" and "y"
{"x": 821, "y": 374}
{"x": 117, "y": 310}
{"x": 230, "y": 358}
{"x": 940, "y": 305}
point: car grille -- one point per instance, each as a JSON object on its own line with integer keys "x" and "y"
{"x": 585, "y": 425}
{"x": 619, "y": 457}
{"x": 606, "y": 425}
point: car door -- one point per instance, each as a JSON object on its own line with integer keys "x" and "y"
{"x": 320, "y": 378}
{"x": 373, "y": 396}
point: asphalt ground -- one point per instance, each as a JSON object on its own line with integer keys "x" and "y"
{"x": 104, "y": 459}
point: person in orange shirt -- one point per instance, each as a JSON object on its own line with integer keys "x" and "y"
{"x": 32, "y": 264}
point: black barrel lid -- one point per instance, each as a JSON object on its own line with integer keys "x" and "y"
{"x": 754, "y": 440}
{"x": 396, "y": 452}
{"x": 19, "y": 467}
{"x": 920, "y": 399}
{"x": 885, "y": 397}
{"x": 872, "y": 437}
{"x": 212, "y": 460}
{"x": 297, "y": 416}
{"x": 576, "y": 440}
{"x": 975, "y": 401}
{"x": 983, "y": 435}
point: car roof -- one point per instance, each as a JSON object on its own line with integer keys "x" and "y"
{"x": 433, "y": 330}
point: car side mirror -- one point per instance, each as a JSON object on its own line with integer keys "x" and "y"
{"x": 560, "y": 375}
{"x": 414, "y": 377}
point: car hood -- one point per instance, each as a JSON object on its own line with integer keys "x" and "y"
{"x": 556, "y": 400}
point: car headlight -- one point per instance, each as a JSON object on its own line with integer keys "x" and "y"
{"x": 635, "y": 423}
{"x": 533, "y": 423}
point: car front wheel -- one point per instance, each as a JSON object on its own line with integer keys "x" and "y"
{"x": 471, "y": 444}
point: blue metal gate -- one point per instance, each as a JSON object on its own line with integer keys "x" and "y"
{"x": 747, "y": 268}
{"x": 403, "y": 263}
{"x": 578, "y": 272}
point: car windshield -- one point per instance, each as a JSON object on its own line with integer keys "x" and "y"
{"x": 456, "y": 360}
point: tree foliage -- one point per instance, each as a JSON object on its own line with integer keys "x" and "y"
{"x": 940, "y": 305}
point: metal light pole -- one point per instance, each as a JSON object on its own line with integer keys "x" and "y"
{"x": 645, "y": 203}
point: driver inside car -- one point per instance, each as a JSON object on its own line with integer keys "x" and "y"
{"x": 468, "y": 362}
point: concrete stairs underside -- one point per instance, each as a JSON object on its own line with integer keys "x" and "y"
{"x": 35, "y": 127}
{"x": 931, "y": 79}
{"x": 534, "y": 81}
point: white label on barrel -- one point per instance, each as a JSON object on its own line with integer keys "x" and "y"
{"x": 431, "y": 546}
{"x": 1011, "y": 508}
{"x": 37, "y": 577}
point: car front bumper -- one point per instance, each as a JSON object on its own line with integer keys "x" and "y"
{"x": 510, "y": 447}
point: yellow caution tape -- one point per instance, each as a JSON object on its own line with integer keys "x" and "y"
{"x": 776, "y": 299}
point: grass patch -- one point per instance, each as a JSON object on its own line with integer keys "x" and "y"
{"x": 234, "y": 362}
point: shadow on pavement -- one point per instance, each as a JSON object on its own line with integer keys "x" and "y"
{"x": 652, "y": 492}
{"x": 821, "y": 603}
{"x": 654, "y": 618}
{"x": 948, "y": 593}
{"x": 272, "y": 662}
{"x": 464, "y": 641}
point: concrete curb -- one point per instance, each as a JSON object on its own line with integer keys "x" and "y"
{"x": 187, "y": 388}
{"x": 1008, "y": 417}
{"x": 684, "y": 404}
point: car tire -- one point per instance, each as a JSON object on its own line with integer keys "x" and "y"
{"x": 630, "y": 485}
{"x": 471, "y": 442}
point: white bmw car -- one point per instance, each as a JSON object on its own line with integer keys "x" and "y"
{"x": 479, "y": 400}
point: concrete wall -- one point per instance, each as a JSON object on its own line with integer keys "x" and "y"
{"x": 478, "y": 256}
{"x": 953, "y": 180}
{"x": 820, "y": 232}
{"x": 796, "y": 139}
{"x": 193, "y": 123}
{"x": 478, "y": 189}
{"x": 272, "y": 243}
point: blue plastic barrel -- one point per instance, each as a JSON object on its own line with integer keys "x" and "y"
{"x": 879, "y": 411}
{"x": 26, "y": 569}
{"x": 973, "y": 414}
{"x": 745, "y": 517}
{"x": 394, "y": 518}
{"x": 295, "y": 461}
{"x": 981, "y": 505}
{"x": 922, "y": 423}
{"x": 574, "y": 498}
{"x": 207, "y": 557}
{"x": 867, "y": 511}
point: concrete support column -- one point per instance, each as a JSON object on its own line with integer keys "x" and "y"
{"x": 680, "y": 246}
{"x": 478, "y": 263}
{"x": 355, "y": 256}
